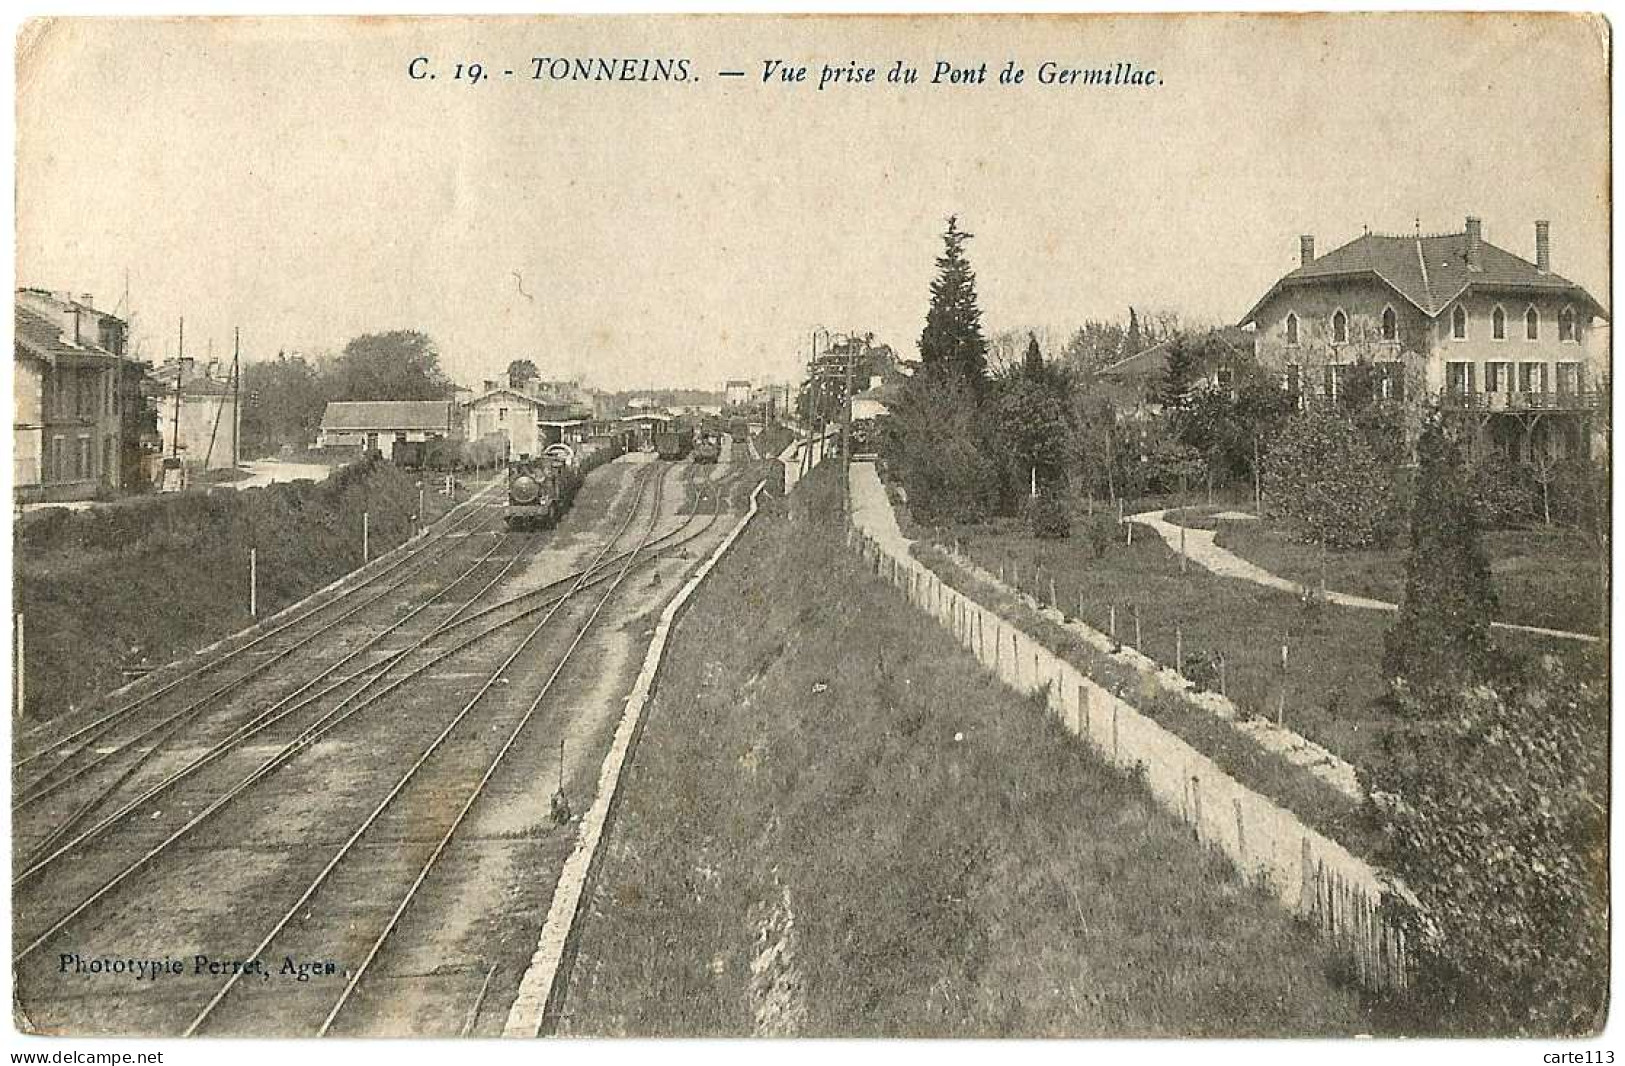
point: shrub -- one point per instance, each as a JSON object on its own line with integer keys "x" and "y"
{"x": 1329, "y": 484}
{"x": 1049, "y": 518}
{"x": 1493, "y": 804}
{"x": 1506, "y": 495}
{"x": 1100, "y": 533}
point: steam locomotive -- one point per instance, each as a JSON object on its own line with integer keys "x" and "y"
{"x": 708, "y": 449}
{"x": 537, "y": 493}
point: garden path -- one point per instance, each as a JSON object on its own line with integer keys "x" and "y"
{"x": 1201, "y": 547}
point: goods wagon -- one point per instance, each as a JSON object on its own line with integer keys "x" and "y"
{"x": 674, "y": 444}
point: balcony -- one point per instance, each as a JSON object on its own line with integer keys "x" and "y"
{"x": 1585, "y": 400}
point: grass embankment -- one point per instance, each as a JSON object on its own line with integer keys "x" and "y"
{"x": 1332, "y": 679}
{"x": 836, "y": 823}
{"x": 1543, "y": 577}
{"x": 1320, "y": 805}
{"x": 156, "y": 577}
{"x": 774, "y": 439}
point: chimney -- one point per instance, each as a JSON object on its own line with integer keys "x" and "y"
{"x": 1475, "y": 232}
{"x": 88, "y": 299}
{"x": 1543, "y": 246}
{"x": 1306, "y": 249}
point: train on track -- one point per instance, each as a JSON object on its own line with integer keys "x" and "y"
{"x": 707, "y": 449}
{"x": 674, "y": 443}
{"x": 537, "y": 493}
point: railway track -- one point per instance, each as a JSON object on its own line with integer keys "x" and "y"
{"x": 203, "y": 794}
{"x": 286, "y": 635}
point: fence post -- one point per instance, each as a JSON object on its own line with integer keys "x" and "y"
{"x": 1179, "y": 650}
{"x": 1053, "y": 602}
{"x": 1280, "y": 707}
{"x": 1223, "y": 691}
{"x": 1137, "y": 643}
{"x": 253, "y": 583}
{"x": 366, "y": 545}
{"x": 1111, "y": 620}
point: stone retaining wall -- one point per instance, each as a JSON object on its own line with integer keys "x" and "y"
{"x": 1315, "y": 877}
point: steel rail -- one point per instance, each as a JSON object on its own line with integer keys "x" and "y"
{"x": 479, "y": 788}
{"x": 333, "y": 718}
{"x": 184, "y": 718}
{"x": 405, "y": 779}
{"x": 35, "y": 790}
{"x": 415, "y": 555}
{"x": 312, "y": 733}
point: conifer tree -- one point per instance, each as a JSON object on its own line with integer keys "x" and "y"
{"x": 1442, "y": 634}
{"x": 1033, "y": 362}
{"x": 952, "y": 344}
{"x": 1133, "y": 341}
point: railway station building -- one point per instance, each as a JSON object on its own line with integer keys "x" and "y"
{"x": 378, "y": 425}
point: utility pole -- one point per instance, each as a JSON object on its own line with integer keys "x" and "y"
{"x": 846, "y": 425}
{"x": 180, "y": 362}
{"x": 236, "y": 396}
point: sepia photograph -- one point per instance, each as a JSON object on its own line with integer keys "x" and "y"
{"x": 905, "y": 526}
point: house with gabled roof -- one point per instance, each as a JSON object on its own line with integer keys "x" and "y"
{"x": 1501, "y": 343}
{"x": 78, "y": 413}
{"x": 378, "y": 425}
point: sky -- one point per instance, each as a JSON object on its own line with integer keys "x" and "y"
{"x": 288, "y": 177}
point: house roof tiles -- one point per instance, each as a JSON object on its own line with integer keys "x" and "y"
{"x": 380, "y": 415}
{"x": 1429, "y": 270}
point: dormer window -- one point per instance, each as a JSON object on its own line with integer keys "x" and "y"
{"x": 1531, "y": 324}
{"x": 1340, "y": 327}
{"x": 1566, "y": 327}
{"x": 1458, "y": 323}
{"x": 1292, "y": 329}
{"x": 1390, "y": 324}
{"x": 1498, "y": 324}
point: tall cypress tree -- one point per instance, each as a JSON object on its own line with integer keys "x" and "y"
{"x": 1443, "y": 631}
{"x": 952, "y": 344}
{"x": 1133, "y": 342}
{"x": 1033, "y": 362}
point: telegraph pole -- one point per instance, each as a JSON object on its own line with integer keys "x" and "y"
{"x": 236, "y": 396}
{"x": 180, "y": 363}
{"x": 846, "y": 424}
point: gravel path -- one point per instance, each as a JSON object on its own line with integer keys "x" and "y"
{"x": 1201, "y": 547}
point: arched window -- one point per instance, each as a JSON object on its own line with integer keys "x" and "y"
{"x": 1390, "y": 324}
{"x": 1498, "y": 323}
{"x": 1531, "y": 324}
{"x": 1340, "y": 327}
{"x": 1292, "y": 329}
{"x": 1458, "y": 323}
{"x": 1566, "y": 330}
